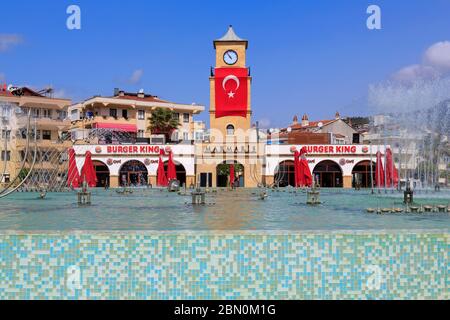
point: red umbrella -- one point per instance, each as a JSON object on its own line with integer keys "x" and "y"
{"x": 379, "y": 172}
{"x": 171, "y": 171}
{"x": 88, "y": 171}
{"x": 73, "y": 177}
{"x": 232, "y": 176}
{"x": 306, "y": 179}
{"x": 296, "y": 168}
{"x": 161, "y": 174}
{"x": 391, "y": 170}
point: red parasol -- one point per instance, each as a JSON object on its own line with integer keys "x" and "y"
{"x": 73, "y": 177}
{"x": 379, "y": 172}
{"x": 161, "y": 174}
{"x": 391, "y": 170}
{"x": 306, "y": 177}
{"x": 88, "y": 171}
{"x": 171, "y": 171}
{"x": 232, "y": 176}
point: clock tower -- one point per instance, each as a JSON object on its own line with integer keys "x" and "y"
{"x": 230, "y": 83}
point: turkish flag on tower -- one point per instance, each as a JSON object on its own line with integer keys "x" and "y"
{"x": 231, "y": 92}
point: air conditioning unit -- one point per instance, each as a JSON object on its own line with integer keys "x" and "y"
{"x": 157, "y": 139}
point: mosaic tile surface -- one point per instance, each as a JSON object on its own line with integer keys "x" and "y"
{"x": 158, "y": 265}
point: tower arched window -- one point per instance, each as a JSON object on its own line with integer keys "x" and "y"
{"x": 230, "y": 129}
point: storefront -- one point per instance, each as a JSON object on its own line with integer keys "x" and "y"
{"x": 136, "y": 165}
{"x": 333, "y": 166}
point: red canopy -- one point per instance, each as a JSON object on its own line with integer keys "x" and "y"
{"x": 73, "y": 177}
{"x": 161, "y": 180}
{"x": 171, "y": 171}
{"x": 88, "y": 171}
{"x": 379, "y": 172}
{"x": 232, "y": 176}
{"x": 124, "y": 127}
{"x": 391, "y": 170}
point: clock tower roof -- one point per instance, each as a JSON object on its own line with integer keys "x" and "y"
{"x": 230, "y": 36}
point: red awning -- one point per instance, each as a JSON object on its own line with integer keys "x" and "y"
{"x": 123, "y": 127}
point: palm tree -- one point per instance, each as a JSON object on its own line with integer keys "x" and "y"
{"x": 162, "y": 121}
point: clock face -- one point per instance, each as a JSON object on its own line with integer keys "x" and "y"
{"x": 230, "y": 57}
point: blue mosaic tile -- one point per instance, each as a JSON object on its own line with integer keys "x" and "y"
{"x": 241, "y": 265}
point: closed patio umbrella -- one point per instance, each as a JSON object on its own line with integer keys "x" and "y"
{"x": 379, "y": 172}
{"x": 391, "y": 170}
{"x": 73, "y": 177}
{"x": 171, "y": 171}
{"x": 88, "y": 171}
{"x": 305, "y": 171}
{"x": 161, "y": 179}
{"x": 232, "y": 176}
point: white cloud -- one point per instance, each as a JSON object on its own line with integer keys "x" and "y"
{"x": 7, "y": 41}
{"x": 436, "y": 64}
{"x": 438, "y": 55}
{"x": 136, "y": 76}
{"x": 415, "y": 72}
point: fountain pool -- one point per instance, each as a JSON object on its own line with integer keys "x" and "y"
{"x": 156, "y": 209}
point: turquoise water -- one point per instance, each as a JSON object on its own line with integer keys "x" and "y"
{"x": 154, "y": 209}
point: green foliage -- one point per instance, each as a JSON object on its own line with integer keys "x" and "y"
{"x": 162, "y": 121}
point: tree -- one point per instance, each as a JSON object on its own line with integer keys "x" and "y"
{"x": 162, "y": 121}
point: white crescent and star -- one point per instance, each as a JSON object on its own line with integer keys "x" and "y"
{"x": 235, "y": 79}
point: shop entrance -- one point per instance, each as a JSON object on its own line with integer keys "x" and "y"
{"x": 181, "y": 172}
{"x": 223, "y": 174}
{"x": 329, "y": 174}
{"x": 133, "y": 173}
{"x": 102, "y": 173}
{"x": 285, "y": 174}
{"x": 361, "y": 174}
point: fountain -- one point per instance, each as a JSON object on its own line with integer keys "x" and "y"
{"x": 84, "y": 196}
{"x": 198, "y": 196}
{"x": 408, "y": 195}
{"x": 313, "y": 195}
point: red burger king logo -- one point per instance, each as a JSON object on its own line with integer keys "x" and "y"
{"x": 98, "y": 149}
{"x": 365, "y": 149}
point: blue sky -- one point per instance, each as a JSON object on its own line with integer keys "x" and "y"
{"x": 312, "y": 57}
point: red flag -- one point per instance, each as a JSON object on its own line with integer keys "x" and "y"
{"x": 73, "y": 177}
{"x": 88, "y": 171}
{"x": 231, "y": 91}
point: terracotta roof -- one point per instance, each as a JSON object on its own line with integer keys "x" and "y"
{"x": 145, "y": 98}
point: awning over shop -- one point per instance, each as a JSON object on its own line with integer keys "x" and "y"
{"x": 123, "y": 127}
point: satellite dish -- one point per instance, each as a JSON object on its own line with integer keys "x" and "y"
{"x": 141, "y": 90}
{"x": 320, "y": 124}
{"x": 271, "y": 130}
{"x": 289, "y": 129}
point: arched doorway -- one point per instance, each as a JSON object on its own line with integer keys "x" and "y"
{"x": 329, "y": 174}
{"x": 181, "y": 171}
{"x": 133, "y": 173}
{"x": 285, "y": 174}
{"x": 361, "y": 174}
{"x": 223, "y": 174}
{"x": 102, "y": 173}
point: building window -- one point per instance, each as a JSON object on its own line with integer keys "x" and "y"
{"x": 8, "y": 155}
{"x": 230, "y": 129}
{"x": 174, "y": 136}
{"x": 46, "y": 135}
{"x": 113, "y": 113}
{"x": 176, "y": 116}
{"x": 6, "y": 134}
{"x": 36, "y": 113}
{"x": 186, "y": 117}
{"x": 46, "y": 113}
{"x": 199, "y": 136}
{"x": 140, "y": 134}
{"x": 141, "y": 115}
{"x": 38, "y": 134}
{"x": 125, "y": 113}
{"x": 185, "y": 136}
